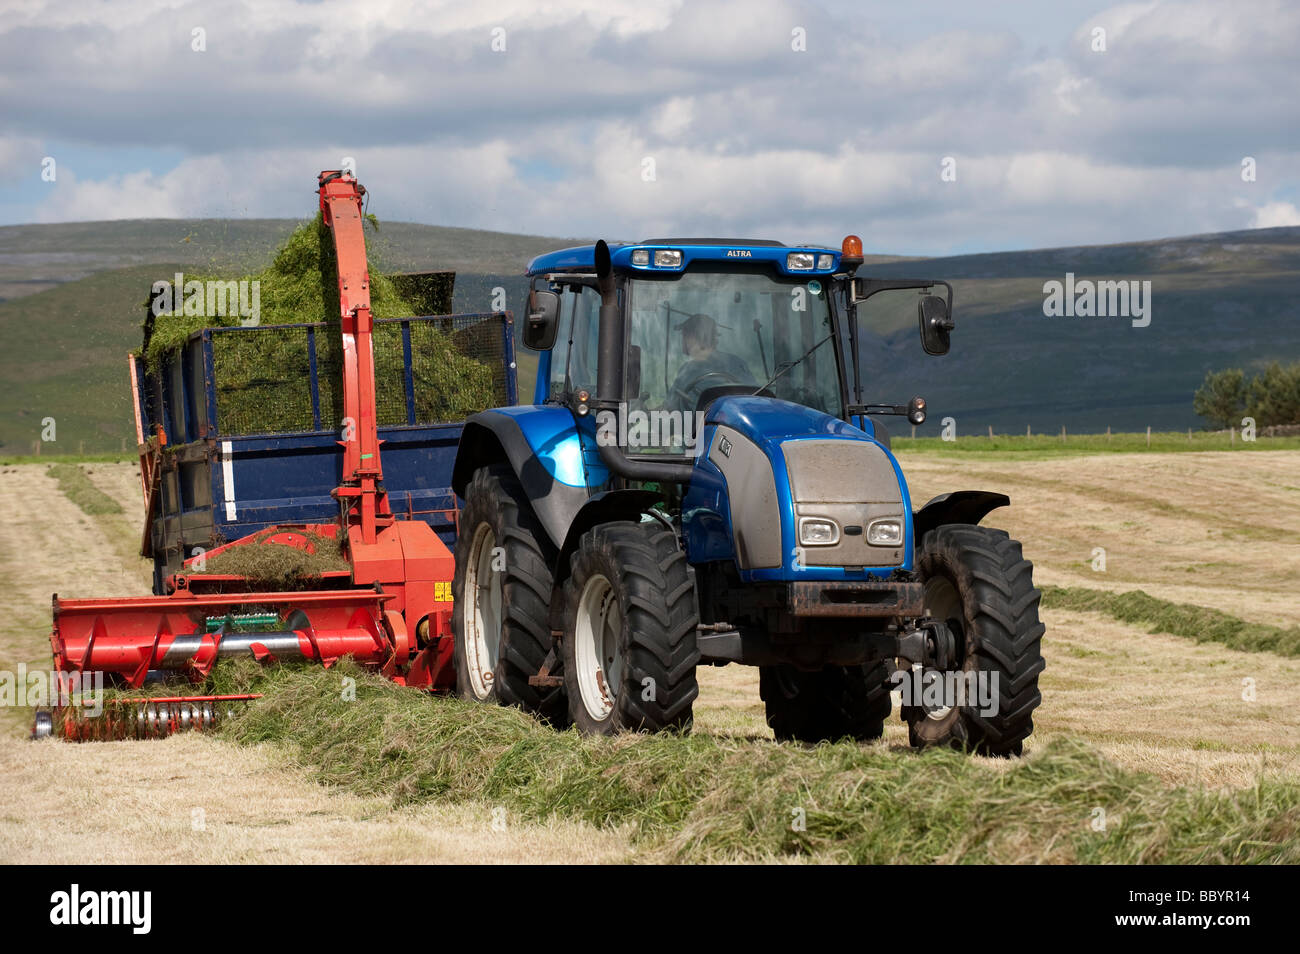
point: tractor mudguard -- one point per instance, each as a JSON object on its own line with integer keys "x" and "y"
{"x": 960, "y": 506}
{"x": 533, "y": 441}
{"x": 602, "y": 508}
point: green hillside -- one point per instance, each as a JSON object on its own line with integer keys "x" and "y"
{"x": 75, "y": 296}
{"x": 1228, "y": 299}
{"x": 66, "y": 359}
{"x": 36, "y": 257}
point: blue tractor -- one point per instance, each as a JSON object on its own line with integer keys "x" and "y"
{"x": 703, "y": 479}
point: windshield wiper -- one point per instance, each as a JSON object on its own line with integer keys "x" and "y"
{"x": 794, "y": 364}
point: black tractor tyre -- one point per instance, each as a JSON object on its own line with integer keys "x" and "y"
{"x": 978, "y": 582}
{"x": 630, "y": 588}
{"x": 833, "y": 703}
{"x": 519, "y": 558}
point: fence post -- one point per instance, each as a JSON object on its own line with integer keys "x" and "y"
{"x": 1148, "y": 437}
{"x": 990, "y": 432}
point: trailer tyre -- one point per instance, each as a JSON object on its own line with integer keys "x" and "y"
{"x": 502, "y": 590}
{"x": 979, "y": 583}
{"x": 629, "y": 631}
{"x": 836, "y": 702}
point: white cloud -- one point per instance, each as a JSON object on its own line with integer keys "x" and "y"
{"x": 1055, "y": 145}
{"x": 1275, "y": 214}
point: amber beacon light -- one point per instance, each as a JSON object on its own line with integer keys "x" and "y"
{"x": 851, "y": 251}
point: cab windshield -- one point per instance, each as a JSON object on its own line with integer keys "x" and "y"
{"x": 727, "y": 328}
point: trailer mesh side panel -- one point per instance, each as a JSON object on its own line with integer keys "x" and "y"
{"x": 264, "y": 382}
{"x": 457, "y": 368}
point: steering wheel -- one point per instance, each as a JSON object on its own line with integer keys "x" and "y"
{"x": 684, "y": 393}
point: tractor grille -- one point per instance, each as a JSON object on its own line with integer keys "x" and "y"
{"x": 427, "y": 371}
{"x": 852, "y": 483}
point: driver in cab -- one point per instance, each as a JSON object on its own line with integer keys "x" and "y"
{"x": 706, "y": 367}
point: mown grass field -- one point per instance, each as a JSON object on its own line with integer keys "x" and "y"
{"x": 1174, "y": 714}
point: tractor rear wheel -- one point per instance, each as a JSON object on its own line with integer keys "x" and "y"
{"x": 833, "y": 703}
{"x": 629, "y": 631}
{"x": 502, "y": 590}
{"x": 979, "y": 584}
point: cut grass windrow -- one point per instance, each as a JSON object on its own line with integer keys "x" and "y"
{"x": 706, "y": 799}
{"x": 78, "y": 488}
{"x": 1177, "y": 619}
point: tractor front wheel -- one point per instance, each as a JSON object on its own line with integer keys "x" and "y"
{"x": 502, "y": 591}
{"x": 980, "y": 586}
{"x": 629, "y": 635}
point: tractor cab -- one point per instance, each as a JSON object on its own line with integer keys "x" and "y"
{"x": 702, "y": 319}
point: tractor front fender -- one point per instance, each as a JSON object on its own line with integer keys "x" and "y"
{"x": 602, "y": 508}
{"x": 492, "y": 437}
{"x": 961, "y": 506}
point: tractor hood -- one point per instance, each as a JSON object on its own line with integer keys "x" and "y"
{"x": 768, "y": 420}
{"x": 769, "y": 469}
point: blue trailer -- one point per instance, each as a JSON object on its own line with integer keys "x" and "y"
{"x": 243, "y": 455}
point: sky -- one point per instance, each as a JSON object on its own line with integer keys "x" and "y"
{"x": 926, "y": 127}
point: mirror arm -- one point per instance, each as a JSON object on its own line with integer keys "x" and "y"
{"x": 914, "y": 410}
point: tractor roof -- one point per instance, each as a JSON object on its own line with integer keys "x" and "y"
{"x": 583, "y": 257}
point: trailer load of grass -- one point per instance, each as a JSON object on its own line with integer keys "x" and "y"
{"x": 263, "y": 373}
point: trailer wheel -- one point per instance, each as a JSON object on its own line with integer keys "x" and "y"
{"x": 502, "y": 590}
{"x": 629, "y": 634}
{"x": 978, "y": 582}
{"x": 836, "y": 702}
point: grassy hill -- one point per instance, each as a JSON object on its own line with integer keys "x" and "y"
{"x": 73, "y": 300}
{"x": 37, "y": 257}
{"x": 1228, "y": 299}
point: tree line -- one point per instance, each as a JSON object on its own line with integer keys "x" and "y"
{"x": 1271, "y": 396}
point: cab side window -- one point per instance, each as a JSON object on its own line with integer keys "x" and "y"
{"x": 573, "y": 360}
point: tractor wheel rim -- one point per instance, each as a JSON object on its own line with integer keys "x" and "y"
{"x": 483, "y": 588}
{"x": 943, "y": 602}
{"x": 597, "y": 645}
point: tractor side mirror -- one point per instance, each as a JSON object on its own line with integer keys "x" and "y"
{"x": 936, "y": 324}
{"x": 541, "y": 323}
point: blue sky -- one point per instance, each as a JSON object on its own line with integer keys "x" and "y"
{"x": 793, "y": 120}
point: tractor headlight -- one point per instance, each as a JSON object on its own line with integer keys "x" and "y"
{"x": 885, "y": 533}
{"x": 824, "y": 262}
{"x": 799, "y": 261}
{"x": 818, "y": 532}
{"x": 668, "y": 258}
{"x": 641, "y": 257}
